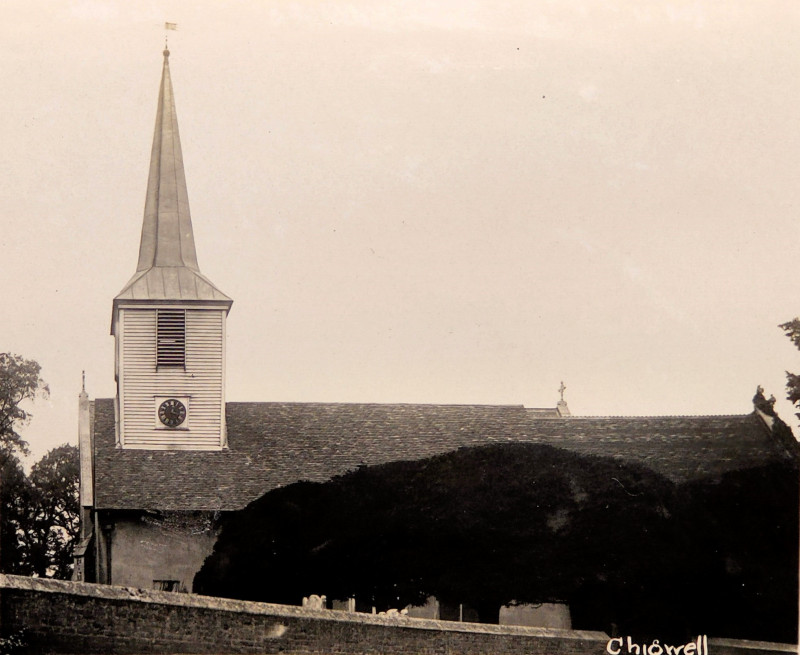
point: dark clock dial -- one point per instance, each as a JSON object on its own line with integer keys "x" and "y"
{"x": 172, "y": 413}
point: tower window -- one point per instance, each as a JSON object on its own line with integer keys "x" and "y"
{"x": 171, "y": 339}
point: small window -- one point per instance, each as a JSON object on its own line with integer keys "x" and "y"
{"x": 171, "y": 339}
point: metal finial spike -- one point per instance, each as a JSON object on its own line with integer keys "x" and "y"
{"x": 167, "y": 27}
{"x": 83, "y": 381}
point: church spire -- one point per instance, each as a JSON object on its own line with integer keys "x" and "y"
{"x": 167, "y": 268}
{"x": 169, "y": 320}
{"x": 167, "y": 238}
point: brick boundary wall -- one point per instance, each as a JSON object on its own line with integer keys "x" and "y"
{"x": 75, "y": 617}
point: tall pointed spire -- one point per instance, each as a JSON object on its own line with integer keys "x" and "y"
{"x": 167, "y": 238}
{"x": 167, "y": 268}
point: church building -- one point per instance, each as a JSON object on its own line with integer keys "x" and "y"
{"x": 164, "y": 459}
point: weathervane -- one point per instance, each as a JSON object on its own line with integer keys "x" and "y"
{"x": 167, "y": 27}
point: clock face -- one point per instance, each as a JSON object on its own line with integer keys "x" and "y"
{"x": 172, "y": 413}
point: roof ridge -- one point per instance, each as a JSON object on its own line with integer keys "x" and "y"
{"x": 369, "y": 404}
{"x": 574, "y": 417}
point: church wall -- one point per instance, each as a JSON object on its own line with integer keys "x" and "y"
{"x": 201, "y": 383}
{"x": 170, "y": 548}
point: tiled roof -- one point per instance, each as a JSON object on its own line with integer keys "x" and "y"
{"x": 275, "y": 444}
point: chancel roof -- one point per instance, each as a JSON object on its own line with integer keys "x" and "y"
{"x": 275, "y": 444}
{"x": 167, "y": 268}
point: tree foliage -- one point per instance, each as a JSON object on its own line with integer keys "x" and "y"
{"x": 792, "y": 330}
{"x": 54, "y": 513}
{"x": 744, "y": 528}
{"x": 15, "y": 499}
{"x": 40, "y": 514}
{"x": 627, "y": 549}
{"x": 20, "y": 380}
{"x": 482, "y": 526}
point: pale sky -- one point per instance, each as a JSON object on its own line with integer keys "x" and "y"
{"x": 435, "y": 202}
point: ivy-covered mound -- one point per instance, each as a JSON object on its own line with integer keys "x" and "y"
{"x": 489, "y": 526}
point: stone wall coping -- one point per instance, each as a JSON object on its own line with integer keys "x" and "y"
{"x": 762, "y": 646}
{"x": 64, "y": 588}
{"x": 128, "y": 594}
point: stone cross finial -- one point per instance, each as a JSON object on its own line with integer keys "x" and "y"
{"x": 561, "y": 390}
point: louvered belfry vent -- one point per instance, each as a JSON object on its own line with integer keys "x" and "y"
{"x": 171, "y": 349}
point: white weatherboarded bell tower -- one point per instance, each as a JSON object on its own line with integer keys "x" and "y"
{"x": 169, "y": 320}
